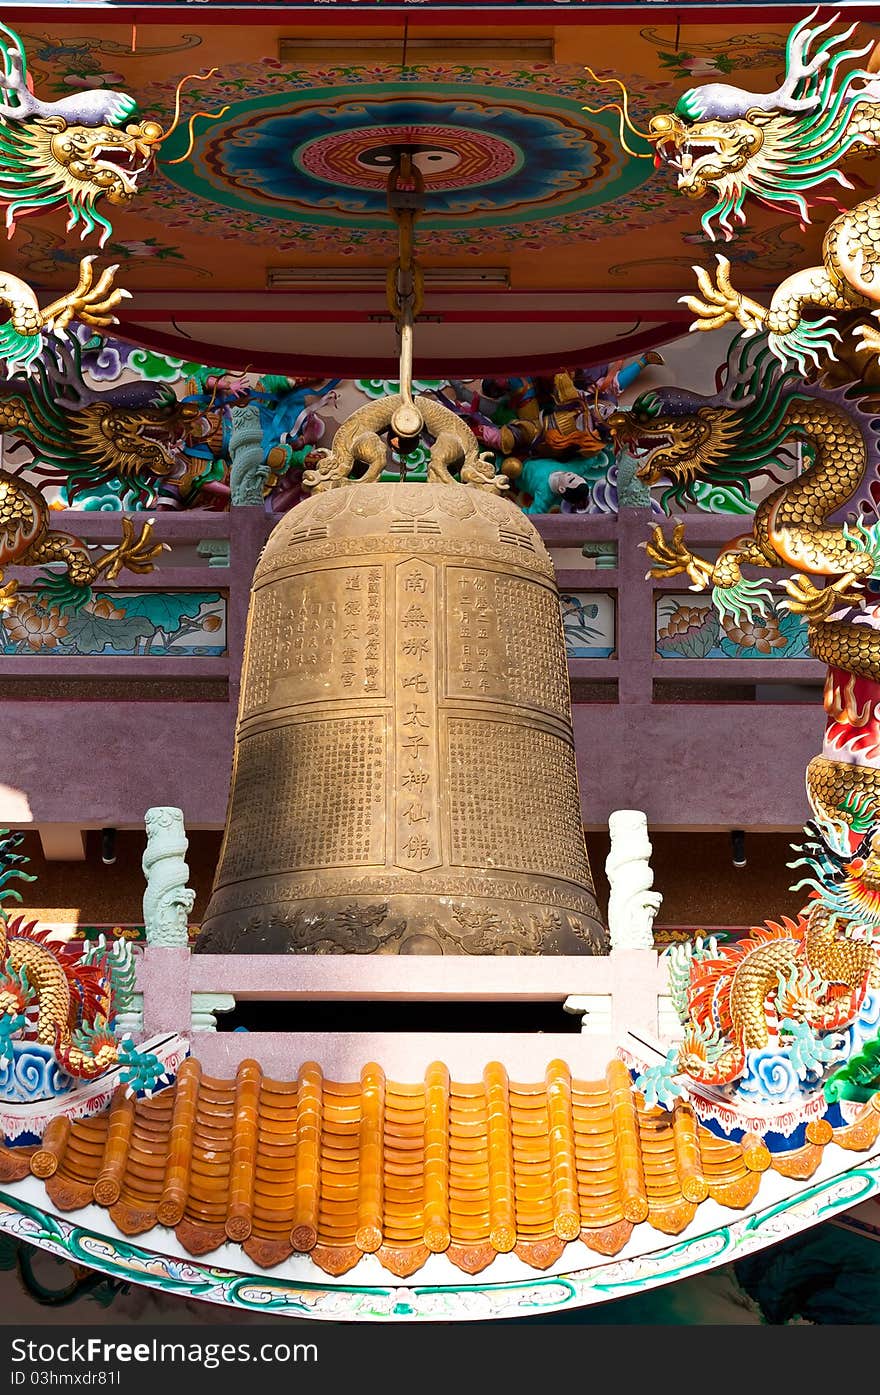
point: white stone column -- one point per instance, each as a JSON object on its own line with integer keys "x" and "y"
{"x": 632, "y": 904}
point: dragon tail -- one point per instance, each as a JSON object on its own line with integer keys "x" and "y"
{"x": 87, "y": 1054}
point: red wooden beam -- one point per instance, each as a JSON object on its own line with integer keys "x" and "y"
{"x": 460, "y": 14}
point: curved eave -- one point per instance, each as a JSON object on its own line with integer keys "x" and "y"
{"x": 230, "y": 1280}
{"x": 295, "y": 1188}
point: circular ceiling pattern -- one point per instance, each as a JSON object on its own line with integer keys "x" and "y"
{"x": 497, "y": 162}
{"x": 448, "y": 157}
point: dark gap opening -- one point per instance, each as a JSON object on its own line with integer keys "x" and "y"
{"x": 593, "y": 690}
{"x": 393, "y": 1016}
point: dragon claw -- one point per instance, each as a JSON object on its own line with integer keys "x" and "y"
{"x": 719, "y": 303}
{"x": 674, "y": 557}
{"x": 869, "y": 339}
{"x": 8, "y": 595}
{"x": 816, "y": 603}
{"x": 132, "y": 554}
{"x": 90, "y": 301}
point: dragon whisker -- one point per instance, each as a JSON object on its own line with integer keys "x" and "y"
{"x": 210, "y": 116}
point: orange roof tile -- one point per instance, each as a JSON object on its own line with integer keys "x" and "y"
{"x": 337, "y": 1171}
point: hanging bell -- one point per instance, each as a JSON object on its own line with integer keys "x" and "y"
{"x": 404, "y": 778}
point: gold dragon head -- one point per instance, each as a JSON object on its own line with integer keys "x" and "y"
{"x": 675, "y": 435}
{"x": 91, "y": 161}
{"x": 137, "y": 443}
{"x": 712, "y": 156}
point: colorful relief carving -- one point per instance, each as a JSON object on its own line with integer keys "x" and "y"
{"x": 550, "y": 434}
{"x": 776, "y": 1017}
{"x": 151, "y": 623}
{"x": 589, "y": 624}
{"x": 265, "y": 434}
{"x": 59, "y": 1005}
{"x": 778, "y": 147}
{"x": 131, "y": 436}
{"x": 689, "y": 627}
{"x": 68, "y": 434}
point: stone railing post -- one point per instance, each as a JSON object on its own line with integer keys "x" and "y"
{"x": 164, "y": 972}
{"x": 167, "y": 898}
{"x": 632, "y": 904}
{"x": 168, "y": 1002}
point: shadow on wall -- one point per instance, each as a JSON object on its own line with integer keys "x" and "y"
{"x": 110, "y": 895}
{"x": 694, "y": 872}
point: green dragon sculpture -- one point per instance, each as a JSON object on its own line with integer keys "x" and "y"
{"x": 71, "y": 153}
{"x": 738, "y": 434}
{"x": 134, "y": 434}
{"x": 778, "y": 147}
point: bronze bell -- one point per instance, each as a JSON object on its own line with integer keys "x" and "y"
{"x": 404, "y": 777}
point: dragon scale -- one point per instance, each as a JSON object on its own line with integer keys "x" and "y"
{"x": 837, "y": 960}
{"x": 46, "y": 976}
{"x": 789, "y": 525}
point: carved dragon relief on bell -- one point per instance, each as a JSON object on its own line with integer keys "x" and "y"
{"x": 404, "y": 777}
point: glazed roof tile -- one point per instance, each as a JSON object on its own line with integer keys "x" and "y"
{"x": 337, "y": 1171}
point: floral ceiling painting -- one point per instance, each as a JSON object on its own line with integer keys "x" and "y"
{"x": 518, "y": 155}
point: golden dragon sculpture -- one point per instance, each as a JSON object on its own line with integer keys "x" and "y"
{"x": 72, "y": 153}
{"x": 27, "y": 540}
{"x": 84, "y": 149}
{"x": 768, "y": 1009}
{"x": 778, "y": 147}
{"x": 736, "y": 436}
{"x": 64, "y": 997}
{"x": 765, "y": 1013}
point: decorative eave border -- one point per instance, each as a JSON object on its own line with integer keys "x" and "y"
{"x": 119, "y": 1259}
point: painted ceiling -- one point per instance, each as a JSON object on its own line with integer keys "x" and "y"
{"x": 519, "y": 178}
